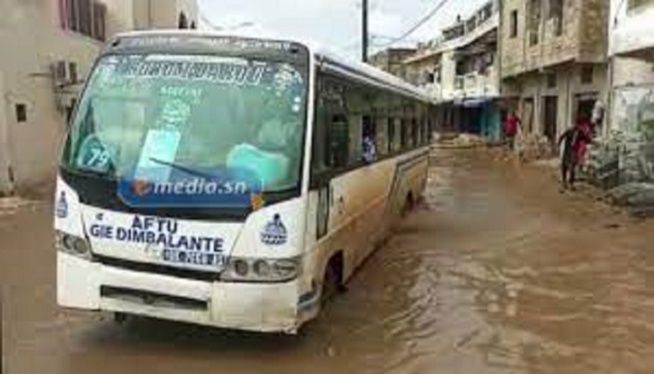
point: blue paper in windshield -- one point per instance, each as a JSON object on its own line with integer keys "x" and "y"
{"x": 158, "y": 152}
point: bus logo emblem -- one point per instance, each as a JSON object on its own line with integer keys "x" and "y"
{"x": 274, "y": 233}
{"x": 62, "y": 206}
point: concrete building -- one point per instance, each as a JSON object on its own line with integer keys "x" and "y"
{"x": 461, "y": 71}
{"x": 390, "y": 60}
{"x": 631, "y": 50}
{"x": 48, "y": 49}
{"x": 625, "y": 152}
{"x": 553, "y": 63}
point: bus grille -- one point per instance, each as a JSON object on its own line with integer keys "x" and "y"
{"x": 152, "y": 298}
{"x": 157, "y": 269}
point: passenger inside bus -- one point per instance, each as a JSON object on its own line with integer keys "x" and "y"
{"x": 273, "y": 152}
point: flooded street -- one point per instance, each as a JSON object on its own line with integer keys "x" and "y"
{"x": 495, "y": 272}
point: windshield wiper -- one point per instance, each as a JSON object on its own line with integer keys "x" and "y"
{"x": 183, "y": 168}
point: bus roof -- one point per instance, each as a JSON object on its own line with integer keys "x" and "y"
{"x": 324, "y": 56}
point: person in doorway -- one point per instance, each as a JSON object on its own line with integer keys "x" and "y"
{"x": 597, "y": 118}
{"x": 586, "y": 128}
{"x": 572, "y": 140}
{"x": 511, "y": 129}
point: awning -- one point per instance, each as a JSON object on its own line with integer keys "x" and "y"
{"x": 475, "y": 103}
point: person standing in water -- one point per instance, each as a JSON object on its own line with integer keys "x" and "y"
{"x": 573, "y": 139}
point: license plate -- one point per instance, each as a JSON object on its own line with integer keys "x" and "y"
{"x": 193, "y": 258}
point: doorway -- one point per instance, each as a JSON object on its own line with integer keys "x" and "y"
{"x": 585, "y": 107}
{"x": 550, "y": 112}
{"x": 528, "y": 115}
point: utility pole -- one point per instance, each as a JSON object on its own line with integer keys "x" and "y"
{"x": 364, "y": 30}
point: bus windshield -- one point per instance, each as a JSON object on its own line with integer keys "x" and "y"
{"x": 193, "y": 113}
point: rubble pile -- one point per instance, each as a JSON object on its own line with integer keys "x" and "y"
{"x": 621, "y": 158}
{"x": 623, "y": 164}
{"x": 531, "y": 147}
{"x": 637, "y": 196}
{"x": 461, "y": 141}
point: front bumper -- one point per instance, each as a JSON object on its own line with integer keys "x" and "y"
{"x": 259, "y": 307}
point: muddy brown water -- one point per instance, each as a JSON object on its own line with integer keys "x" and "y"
{"x": 495, "y": 272}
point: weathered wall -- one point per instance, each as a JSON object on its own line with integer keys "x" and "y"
{"x": 32, "y": 39}
{"x": 31, "y": 31}
{"x": 512, "y": 48}
{"x": 593, "y": 46}
{"x": 631, "y": 30}
{"x": 583, "y": 37}
{"x": 568, "y": 90}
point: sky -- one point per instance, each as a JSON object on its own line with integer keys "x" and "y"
{"x": 335, "y": 24}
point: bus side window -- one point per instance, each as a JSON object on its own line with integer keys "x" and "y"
{"x": 368, "y": 135}
{"x": 404, "y": 134}
{"x": 319, "y": 150}
{"x": 382, "y": 136}
{"x": 414, "y": 133}
{"x": 331, "y": 138}
{"x": 339, "y": 144}
{"x": 390, "y": 133}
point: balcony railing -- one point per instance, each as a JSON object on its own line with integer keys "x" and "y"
{"x": 475, "y": 84}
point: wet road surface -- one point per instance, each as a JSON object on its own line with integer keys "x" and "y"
{"x": 496, "y": 272}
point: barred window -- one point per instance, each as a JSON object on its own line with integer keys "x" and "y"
{"x": 86, "y": 17}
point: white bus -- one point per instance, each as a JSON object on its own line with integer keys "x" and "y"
{"x": 230, "y": 182}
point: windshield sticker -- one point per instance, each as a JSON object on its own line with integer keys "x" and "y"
{"x": 175, "y": 113}
{"x": 226, "y": 72}
{"x": 158, "y": 152}
{"x": 189, "y": 93}
{"x": 94, "y": 155}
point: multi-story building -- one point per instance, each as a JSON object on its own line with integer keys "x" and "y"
{"x": 553, "y": 61}
{"x": 631, "y": 51}
{"x": 461, "y": 71}
{"x": 48, "y": 49}
{"x": 390, "y": 60}
{"x": 625, "y": 153}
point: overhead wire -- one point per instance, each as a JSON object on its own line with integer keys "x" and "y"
{"x": 419, "y": 24}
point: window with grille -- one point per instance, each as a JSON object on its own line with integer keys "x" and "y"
{"x": 514, "y": 24}
{"x": 556, "y": 15}
{"x": 587, "y": 74}
{"x": 86, "y": 17}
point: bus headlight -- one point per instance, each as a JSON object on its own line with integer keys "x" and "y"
{"x": 261, "y": 270}
{"x": 73, "y": 245}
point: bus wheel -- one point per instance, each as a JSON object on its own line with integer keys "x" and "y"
{"x": 333, "y": 279}
{"x": 120, "y": 318}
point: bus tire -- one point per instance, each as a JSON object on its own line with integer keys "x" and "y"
{"x": 120, "y": 318}
{"x": 333, "y": 278}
